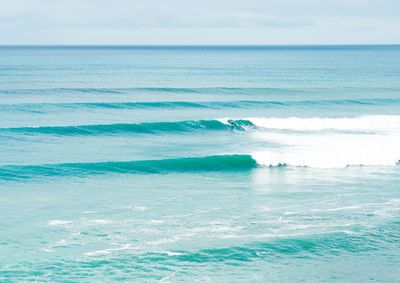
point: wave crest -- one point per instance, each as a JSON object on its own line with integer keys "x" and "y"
{"x": 192, "y": 164}
{"x": 143, "y": 128}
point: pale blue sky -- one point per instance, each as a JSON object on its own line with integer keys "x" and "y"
{"x": 199, "y": 22}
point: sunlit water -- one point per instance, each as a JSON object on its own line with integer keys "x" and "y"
{"x": 217, "y": 164}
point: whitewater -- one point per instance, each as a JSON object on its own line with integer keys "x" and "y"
{"x": 330, "y": 142}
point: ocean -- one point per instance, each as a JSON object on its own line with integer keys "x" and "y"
{"x": 200, "y": 164}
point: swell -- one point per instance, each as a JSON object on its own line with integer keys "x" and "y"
{"x": 202, "y": 90}
{"x": 193, "y": 164}
{"x": 43, "y": 107}
{"x": 139, "y": 128}
{"x": 172, "y": 90}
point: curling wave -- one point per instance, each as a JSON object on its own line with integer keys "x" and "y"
{"x": 142, "y": 128}
{"x": 193, "y": 164}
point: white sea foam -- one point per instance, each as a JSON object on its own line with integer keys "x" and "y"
{"x": 61, "y": 243}
{"x": 378, "y": 145}
{"x": 140, "y": 208}
{"x": 363, "y": 123}
{"x": 100, "y": 221}
{"x": 59, "y": 223}
{"x": 169, "y": 253}
{"x": 125, "y": 247}
{"x": 155, "y": 221}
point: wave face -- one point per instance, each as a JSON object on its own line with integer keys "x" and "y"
{"x": 140, "y": 128}
{"x": 201, "y": 164}
{"x": 329, "y": 142}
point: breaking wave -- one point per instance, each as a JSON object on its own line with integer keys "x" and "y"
{"x": 329, "y": 142}
{"x": 300, "y": 142}
{"x": 143, "y": 128}
{"x": 363, "y": 123}
{"x": 194, "y": 164}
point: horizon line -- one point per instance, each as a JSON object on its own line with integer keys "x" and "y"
{"x": 201, "y": 45}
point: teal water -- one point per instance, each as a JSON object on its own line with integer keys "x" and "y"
{"x": 200, "y": 164}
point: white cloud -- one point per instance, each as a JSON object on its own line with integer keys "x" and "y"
{"x": 199, "y": 22}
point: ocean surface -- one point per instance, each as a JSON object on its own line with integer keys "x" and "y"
{"x": 200, "y": 164}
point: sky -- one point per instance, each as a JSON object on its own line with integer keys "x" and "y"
{"x": 199, "y": 22}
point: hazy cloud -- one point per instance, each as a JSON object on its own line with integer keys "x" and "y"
{"x": 199, "y": 22}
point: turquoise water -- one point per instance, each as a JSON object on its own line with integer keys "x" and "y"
{"x": 200, "y": 164}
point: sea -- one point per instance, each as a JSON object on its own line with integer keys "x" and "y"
{"x": 200, "y": 163}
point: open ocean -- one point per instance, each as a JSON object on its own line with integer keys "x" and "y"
{"x": 200, "y": 164}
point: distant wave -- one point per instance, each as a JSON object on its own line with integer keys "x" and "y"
{"x": 143, "y": 128}
{"x": 241, "y": 104}
{"x": 200, "y": 90}
{"x": 166, "y": 90}
{"x": 194, "y": 164}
